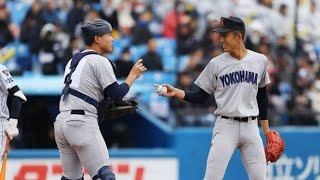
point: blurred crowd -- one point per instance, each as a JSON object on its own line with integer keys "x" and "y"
{"x": 286, "y": 31}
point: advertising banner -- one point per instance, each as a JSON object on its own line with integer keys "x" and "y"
{"x": 124, "y": 168}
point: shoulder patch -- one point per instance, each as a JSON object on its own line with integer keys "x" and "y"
{"x": 5, "y": 72}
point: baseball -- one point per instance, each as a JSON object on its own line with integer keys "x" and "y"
{"x": 162, "y": 90}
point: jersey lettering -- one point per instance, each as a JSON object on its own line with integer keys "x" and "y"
{"x": 239, "y": 77}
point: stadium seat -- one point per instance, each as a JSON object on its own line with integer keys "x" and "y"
{"x": 157, "y": 77}
{"x": 182, "y": 62}
{"x": 317, "y": 47}
{"x": 156, "y": 102}
{"x": 165, "y": 43}
{"x": 169, "y": 63}
{"x": 138, "y": 51}
{"x": 23, "y": 55}
{"x": 22, "y": 50}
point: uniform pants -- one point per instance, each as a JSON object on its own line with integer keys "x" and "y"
{"x": 228, "y": 135}
{"x": 80, "y": 144}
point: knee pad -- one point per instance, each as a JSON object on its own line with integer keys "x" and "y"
{"x": 104, "y": 173}
{"x": 64, "y": 178}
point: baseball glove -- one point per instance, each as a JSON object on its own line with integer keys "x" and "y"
{"x": 108, "y": 109}
{"x": 274, "y": 146}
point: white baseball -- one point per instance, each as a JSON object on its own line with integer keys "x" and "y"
{"x": 162, "y": 90}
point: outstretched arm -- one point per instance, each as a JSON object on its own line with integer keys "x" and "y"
{"x": 198, "y": 97}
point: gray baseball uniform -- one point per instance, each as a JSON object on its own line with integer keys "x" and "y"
{"x": 78, "y": 136}
{"x": 6, "y": 82}
{"x": 235, "y": 84}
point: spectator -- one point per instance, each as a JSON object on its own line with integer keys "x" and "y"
{"x": 256, "y": 31}
{"x": 152, "y": 60}
{"x": 46, "y": 54}
{"x": 304, "y": 75}
{"x": 126, "y": 21}
{"x": 6, "y": 35}
{"x": 31, "y": 27}
{"x": 5, "y": 15}
{"x": 90, "y": 15}
{"x": 313, "y": 22}
{"x": 277, "y": 103}
{"x": 124, "y": 63}
{"x": 282, "y": 46}
{"x": 50, "y": 12}
{"x": 287, "y": 23}
{"x": 109, "y": 13}
{"x": 74, "y": 46}
{"x": 171, "y": 20}
{"x": 75, "y": 16}
{"x": 196, "y": 59}
{"x": 314, "y": 95}
{"x": 302, "y": 114}
{"x": 210, "y": 39}
{"x": 186, "y": 41}
{"x": 141, "y": 33}
{"x": 61, "y": 43}
{"x": 54, "y": 43}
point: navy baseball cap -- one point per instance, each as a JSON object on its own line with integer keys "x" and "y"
{"x": 230, "y": 24}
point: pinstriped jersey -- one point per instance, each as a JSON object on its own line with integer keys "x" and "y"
{"x": 235, "y": 83}
{"x": 7, "y": 83}
{"x": 92, "y": 75}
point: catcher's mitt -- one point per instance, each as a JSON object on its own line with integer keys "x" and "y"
{"x": 274, "y": 146}
{"x": 108, "y": 109}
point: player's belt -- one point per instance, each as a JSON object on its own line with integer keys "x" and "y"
{"x": 240, "y": 119}
{"x": 77, "y": 111}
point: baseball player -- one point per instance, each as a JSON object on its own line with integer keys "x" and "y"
{"x": 9, "y": 120}
{"x": 238, "y": 79}
{"x": 89, "y": 77}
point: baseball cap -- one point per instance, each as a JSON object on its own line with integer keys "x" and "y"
{"x": 230, "y": 24}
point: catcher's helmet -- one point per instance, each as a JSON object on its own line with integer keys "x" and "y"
{"x": 95, "y": 28}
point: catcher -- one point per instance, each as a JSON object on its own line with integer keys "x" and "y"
{"x": 89, "y": 78}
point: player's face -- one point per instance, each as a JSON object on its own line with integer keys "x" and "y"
{"x": 229, "y": 41}
{"x": 106, "y": 43}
